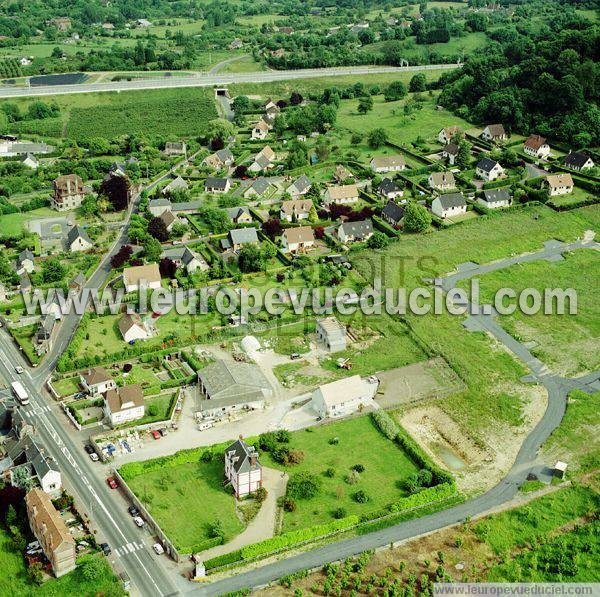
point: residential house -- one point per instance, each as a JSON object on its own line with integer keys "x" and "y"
{"x": 177, "y": 184}
{"x": 78, "y": 240}
{"x": 331, "y": 332}
{"x": 260, "y": 130}
{"x": 559, "y": 184}
{"x": 271, "y": 107}
{"x": 63, "y": 24}
{"x": 186, "y": 207}
{"x": 258, "y": 188}
{"x": 447, "y": 133}
{"x": 236, "y": 44}
{"x": 25, "y": 263}
{"x": 12, "y": 147}
{"x": 388, "y": 163}
{"x": 96, "y": 381}
{"x": 342, "y": 397}
{"x": 389, "y": 189}
{"x": 242, "y": 468}
{"x": 536, "y": 147}
{"x": 143, "y": 23}
{"x": 350, "y": 232}
{"x": 44, "y": 333}
{"x": 142, "y": 276}
{"x": 295, "y": 209}
{"x": 239, "y": 237}
{"x": 30, "y": 161}
{"x": 450, "y": 153}
{"x": 217, "y": 185}
{"x": 50, "y": 530}
{"x": 68, "y": 192}
{"x": 239, "y": 215}
{"x": 442, "y": 181}
{"x": 300, "y": 186}
{"x": 219, "y": 159}
{"x": 577, "y": 161}
{"x": 263, "y": 160}
{"x": 342, "y": 174}
{"x": 299, "y": 239}
{"x": 187, "y": 259}
{"x": 158, "y": 206}
{"x": 495, "y": 198}
{"x": 230, "y": 386}
{"x": 77, "y": 283}
{"x": 488, "y": 169}
{"x": 392, "y": 213}
{"x": 168, "y": 218}
{"x": 124, "y": 404}
{"x": 132, "y": 328}
{"x": 175, "y": 148}
{"x": 494, "y": 132}
{"x": 448, "y": 206}
{"x": 341, "y": 195}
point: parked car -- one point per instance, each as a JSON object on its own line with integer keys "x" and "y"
{"x": 156, "y": 434}
{"x": 133, "y": 511}
{"x": 163, "y": 431}
{"x": 33, "y": 545}
{"x": 105, "y": 547}
{"x": 139, "y": 521}
{"x": 19, "y": 369}
{"x": 112, "y": 482}
{"x": 295, "y": 355}
{"x": 88, "y": 449}
{"x": 158, "y": 548}
{"x": 94, "y": 457}
{"x": 373, "y": 379}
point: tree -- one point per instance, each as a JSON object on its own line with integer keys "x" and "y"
{"x": 219, "y": 128}
{"x": 250, "y": 259}
{"x": 416, "y": 218}
{"x": 418, "y": 83}
{"x": 53, "y": 270}
{"x": 91, "y": 568}
{"x": 117, "y": 190}
{"x": 377, "y": 138}
{"x": 365, "y": 104}
{"x": 216, "y": 528}
{"x": 240, "y": 104}
{"x": 216, "y": 219}
{"x": 303, "y": 485}
{"x": 463, "y": 159}
{"x": 89, "y": 206}
{"x": 272, "y": 228}
{"x": 35, "y": 573}
{"x": 167, "y": 268}
{"x": 295, "y": 99}
{"x": 152, "y": 249}
{"x": 297, "y": 156}
{"x": 158, "y": 229}
{"x": 121, "y": 257}
{"x": 395, "y": 91}
{"x": 378, "y": 241}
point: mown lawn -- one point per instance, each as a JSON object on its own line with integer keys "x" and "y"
{"x": 359, "y": 442}
{"x": 67, "y": 385}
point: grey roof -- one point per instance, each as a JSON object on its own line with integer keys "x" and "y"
{"x": 388, "y": 186}
{"x": 576, "y": 159}
{"x": 235, "y": 212}
{"x": 393, "y": 211}
{"x": 452, "y": 200}
{"x": 183, "y": 254}
{"x": 452, "y": 149}
{"x": 302, "y": 183}
{"x": 186, "y": 206}
{"x": 230, "y": 380}
{"x": 261, "y": 185}
{"x": 78, "y": 280}
{"x": 213, "y": 182}
{"x": 42, "y": 464}
{"x": 24, "y": 255}
{"x": 262, "y": 160}
{"x": 19, "y": 148}
{"x": 486, "y": 164}
{"x": 24, "y": 281}
{"x": 224, "y": 154}
{"x": 29, "y": 156}
{"x": 240, "y": 454}
{"x": 161, "y": 202}
{"x": 496, "y": 195}
{"x": 241, "y": 236}
{"x": 77, "y": 232}
{"x": 176, "y": 184}
{"x": 46, "y": 327}
{"x": 357, "y": 229}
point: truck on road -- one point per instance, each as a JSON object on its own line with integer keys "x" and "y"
{"x": 19, "y": 392}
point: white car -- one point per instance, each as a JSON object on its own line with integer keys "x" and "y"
{"x": 19, "y": 369}
{"x": 94, "y": 457}
{"x": 158, "y": 548}
{"x": 139, "y": 521}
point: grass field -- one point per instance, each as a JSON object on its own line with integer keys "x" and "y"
{"x": 12, "y": 224}
{"x": 360, "y": 442}
{"x": 567, "y": 343}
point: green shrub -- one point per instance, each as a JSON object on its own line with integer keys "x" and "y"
{"x": 303, "y": 485}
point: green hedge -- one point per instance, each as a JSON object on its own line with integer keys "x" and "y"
{"x": 207, "y": 544}
{"x": 223, "y": 560}
{"x": 427, "y": 496}
{"x": 383, "y": 226}
{"x": 502, "y": 182}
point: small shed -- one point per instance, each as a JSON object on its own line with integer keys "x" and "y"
{"x": 560, "y": 469}
{"x": 250, "y": 345}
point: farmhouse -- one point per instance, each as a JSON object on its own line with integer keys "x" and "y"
{"x": 96, "y": 381}
{"x": 441, "y": 181}
{"x": 78, "y": 240}
{"x": 559, "y": 184}
{"x": 446, "y": 134}
{"x": 448, "y": 206}
{"x": 239, "y": 215}
{"x": 186, "y": 258}
{"x": 331, "y": 332}
{"x": 392, "y": 213}
{"x": 132, "y": 328}
{"x": 68, "y": 192}
{"x": 578, "y": 161}
{"x": 450, "y": 153}
{"x": 342, "y": 397}
{"x": 242, "y": 468}
{"x": 124, "y": 404}
{"x": 174, "y": 148}
{"x": 298, "y": 209}
{"x": 300, "y": 186}
{"x": 50, "y": 530}
{"x": 389, "y": 189}
{"x": 341, "y": 195}
{"x": 494, "y": 198}
{"x": 228, "y": 386}
{"x": 391, "y": 163}
{"x": 298, "y": 239}
{"x": 239, "y": 237}
{"x": 536, "y": 146}
{"x": 488, "y": 169}
{"x": 349, "y": 232}
{"x": 217, "y": 185}
{"x": 494, "y": 132}
{"x": 144, "y": 276}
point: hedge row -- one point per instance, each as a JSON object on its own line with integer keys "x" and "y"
{"x": 575, "y": 204}
{"x": 223, "y": 560}
{"x": 427, "y": 496}
{"x": 208, "y": 544}
{"x": 502, "y": 182}
{"x": 383, "y": 226}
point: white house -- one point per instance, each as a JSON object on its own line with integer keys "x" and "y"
{"x": 30, "y": 161}
{"x": 389, "y": 189}
{"x": 158, "y": 206}
{"x": 144, "y": 276}
{"x": 493, "y": 132}
{"x": 342, "y": 397}
{"x": 25, "y": 262}
{"x": 124, "y": 404}
{"x": 488, "y": 169}
{"x": 559, "y": 184}
{"x": 298, "y": 239}
{"x": 341, "y": 194}
{"x": 578, "y": 161}
{"x": 78, "y": 240}
{"x": 388, "y": 163}
{"x": 295, "y": 209}
{"x": 442, "y": 181}
{"x": 448, "y": 206}
{"x": 495, "y": 198}
{"x": 536, "y": 147}
{"x": 331, "y": 332}
{"x": 450, "y": 153}
{"x": 260, "y": 130}
{"x": 96, "y": 381}
{"x": 242, "y": 468}
{"x": 132, "y": 328}
{"x": 446, "y": 134}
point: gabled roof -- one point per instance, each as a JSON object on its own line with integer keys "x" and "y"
{"x": 451, "y": 149}
{"x": 301, "y": 234}
{"x": 224, "y": 379}
{"x": 301, "y": 184}
{"x": 78, "y": 232}
{"x": 493, "y": 195}
{"x": 78, "y": 280}
{"x": 24, "y": 255}
{"x": 387, "y": 186}
{"x": 496, "y": 130}
{"x": 260, "y": 186}
{"x": 296, "y": 206}
{"x": 241, "y": 236}
{"x": 128, "y": 321}
{"x": 357, "y": 229}
{"x": 240, "y": 454}
{"x": 124, "y": 398}
{"x": 442, "y": 179}
{"x": 450, "y": 131}
{"x": 47, "y": 520}
{"x": 343, "y": 390}
{"x": 486, "y": 164}
{"x": 177, "y": 184}
{"x": 224, "y": 154}
{"x": 560, "y": 180}
{"x": 267, "y": 152}
{"x": 149, "y": 273}
{"x": 95, "y": 375}
{"x": 452, "y": 200}
{"x": 534, "y": 142}
{"x": 393, "y": 211}
{"x": 575, "y": 160}
{"x": 262, "y": 126}
{"x": 213, "y": 182}
{"x": 388, "y": 161}
{"x": 235, "y": 212}
{"x": 160, "y": 202}
{"x": 348, "y": 191}
{"x": 168, "y": 217}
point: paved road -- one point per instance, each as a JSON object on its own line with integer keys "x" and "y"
{"x": 209, "y": 80}
{"x": 221, "y": 65}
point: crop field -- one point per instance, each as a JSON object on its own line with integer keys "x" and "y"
{"x": 175, "y": 112}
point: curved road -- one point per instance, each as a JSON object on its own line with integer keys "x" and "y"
{"x": 209, "y": 80}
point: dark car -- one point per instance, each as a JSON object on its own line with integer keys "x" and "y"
{"x": 133, "y": 511}
{"x": 105, "y": 547}
{"x": 88, "y": 449}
